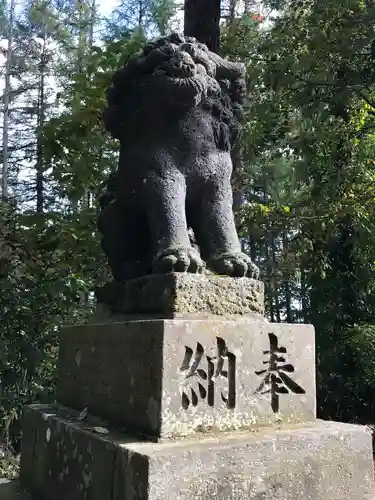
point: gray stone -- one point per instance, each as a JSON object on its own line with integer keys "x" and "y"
{"x": 320, "y": 461}
{"x": 10, "y": 490}
{"x": 184, "y": 294}
{"x": 176, "y": 109}
{"x": 141, "y": 374}
{"x": 61, "y": 459}
{"x": 325, "y": 461}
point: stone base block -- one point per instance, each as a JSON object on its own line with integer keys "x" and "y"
{"x": 184, "y": 294}
{"x": 65, "y": 458}
{"x": 169, "y": 378}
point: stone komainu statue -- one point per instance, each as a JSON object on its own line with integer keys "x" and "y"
{"x": 176, "y": 110}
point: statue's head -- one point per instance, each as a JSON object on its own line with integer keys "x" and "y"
{"x": 176, "y": 72}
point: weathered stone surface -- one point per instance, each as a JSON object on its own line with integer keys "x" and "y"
{"x": 167, "y": 378}
{"x": 172, "y": 115}
{"x": 320, "y": 461}
{"x": 326, "y": 461}
{"x": 10, "y": 490}
{"x": 175, "y": 294}
{"x": 61, "y": 460}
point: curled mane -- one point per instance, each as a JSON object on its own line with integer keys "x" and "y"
{"x": 180, "y": 73}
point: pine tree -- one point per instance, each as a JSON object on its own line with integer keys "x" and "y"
{"x": 8, "y": 28}
{"x": 34, "y": 37}
{"x": 151, "y": 17}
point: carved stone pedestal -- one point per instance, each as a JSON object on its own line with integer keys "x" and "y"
{"x": 65, "y": 458}
{"x": 167, "y": 378}
{"x": 191, "y": 409}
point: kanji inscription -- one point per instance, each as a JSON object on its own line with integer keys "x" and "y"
{"x": 204, "y": 375}
{"x": 276, "y": 380}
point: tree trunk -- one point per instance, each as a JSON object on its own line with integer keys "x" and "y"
{"x": 248, "y": 5}
{"x": 91, "y": 26}
{"x": 287, "y": 291}
{"x": 90, "y": 42}
{"x": 288, "y": 302}
{"x": 275, "y": 274}
{"x": 232, "y": 10}
{"x": 141, "y": 13}
{"x": 6, "y": 112}
{"x": 304, "y": 300}
{"x": 269, "y": 283}
{"x": 269, "y": 288}
{"x": 40, "y": 122}
{"x": 202, "y": 21}
{"x": 236, "y": 153}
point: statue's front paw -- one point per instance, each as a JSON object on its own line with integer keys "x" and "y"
{"x": 236, "y": 264}
{"x": 178, "y": 259}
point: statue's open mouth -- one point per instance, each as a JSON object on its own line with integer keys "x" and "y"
{"x": 185, "y": 80}
{"x": 179, "y": 66}
{"x": 183, "y": 84}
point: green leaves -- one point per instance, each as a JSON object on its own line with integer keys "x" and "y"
{"x": 79, "y": 150}
{"x": 308, "y": 144}
{"x": 43, "y": 277}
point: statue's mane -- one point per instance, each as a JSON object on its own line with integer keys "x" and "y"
{"x": 218, "y": 88}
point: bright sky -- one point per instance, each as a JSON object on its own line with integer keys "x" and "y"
{"x": 106, "y": 6}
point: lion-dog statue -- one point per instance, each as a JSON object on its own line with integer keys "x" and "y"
{"x": 176, "y": 109}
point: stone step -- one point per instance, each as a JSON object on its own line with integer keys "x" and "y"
{"x": 67, "y": 458}
{"x": 11, "y": 490}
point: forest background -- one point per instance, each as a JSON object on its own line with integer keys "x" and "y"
{"x": 304, "y": 195}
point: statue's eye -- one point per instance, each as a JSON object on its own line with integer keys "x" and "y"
{"x": 169, "y": 50}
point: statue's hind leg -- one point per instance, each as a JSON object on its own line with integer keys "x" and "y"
{"x": 126, "y": 241}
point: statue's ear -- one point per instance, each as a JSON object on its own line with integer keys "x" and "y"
{"x": 227, "y": 70}
{"x": 176, "y": 38}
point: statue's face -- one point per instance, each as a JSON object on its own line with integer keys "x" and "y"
{"x": 180, "y": 65}
{"x": 184, "y": 73}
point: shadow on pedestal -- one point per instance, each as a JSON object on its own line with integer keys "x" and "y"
{"x": 11, "y": 490}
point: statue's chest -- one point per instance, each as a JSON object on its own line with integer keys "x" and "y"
{"x": 195, "y": 126}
